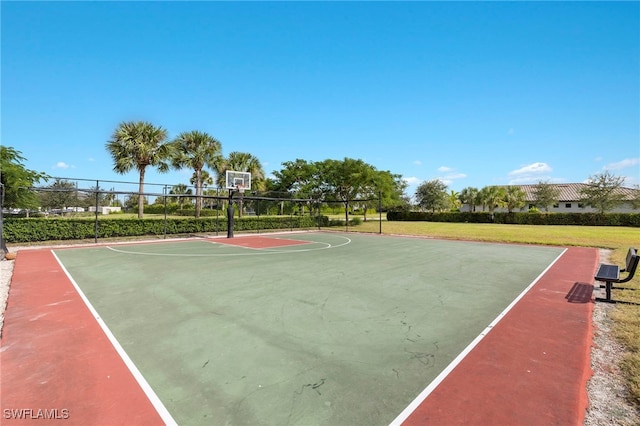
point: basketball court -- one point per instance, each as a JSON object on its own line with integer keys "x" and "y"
{"x": 300, "y": 328}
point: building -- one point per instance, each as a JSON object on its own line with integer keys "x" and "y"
{"x": 568, "y": 200}
{"x": 105, "y": 210}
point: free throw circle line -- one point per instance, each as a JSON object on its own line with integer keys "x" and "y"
{"x": 252, "y": 252}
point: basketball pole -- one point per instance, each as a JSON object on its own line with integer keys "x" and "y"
{"x": 230, "y": 215}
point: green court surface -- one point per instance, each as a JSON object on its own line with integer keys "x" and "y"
{"x": 345, "y": 329}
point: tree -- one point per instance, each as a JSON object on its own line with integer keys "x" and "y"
{"x": 196, "y": 150}
{"x": 182, "y": 192}
{"x": 454, "y": 200}
{"x": 469, "y": 196}
{"x": 602, "y": 192}
{"x": 346, "y": 180}
{"x": 205, "y": 178}
{"x": 635, "y": 200}
{"x": 342, "y": 180}
{"x": 104, "y": 198}
{"x": 16, "y": 180}
{"x": 59, "y": 195}
{"x": 381, "y": 188}
{"x": 110, "y": 197}
{"x": 432, "y": 195}
{"x": 133, "y": 200}
{"x": 514, "y": 198}
{"x": 391, "y": 188}
{"x": 137, "y": 145}
{"x": 242, "y": 162}
{"x": 546, "y": 194}
{"x": 492, "y": 197}
{"x": 298, "y": 177}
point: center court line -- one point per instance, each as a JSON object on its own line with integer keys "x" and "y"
{"x": 144, "y": 385}
{"x": 443, "y": 375}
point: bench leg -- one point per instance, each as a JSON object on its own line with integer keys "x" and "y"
{"x": 608, "y": 291}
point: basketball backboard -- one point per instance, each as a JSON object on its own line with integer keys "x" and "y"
{"x": 238, "y": 180}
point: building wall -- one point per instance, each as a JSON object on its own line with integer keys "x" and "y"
{"x": 105, "y": 210}
{"x": 563, "y": 207}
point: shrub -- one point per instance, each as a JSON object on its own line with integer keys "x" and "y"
{"x": 41, "y": 229}
{"x": 522, "y": 218}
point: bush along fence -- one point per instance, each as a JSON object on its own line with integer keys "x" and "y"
{"x": 524, "y": 218}
{"x": 19, "y": 230}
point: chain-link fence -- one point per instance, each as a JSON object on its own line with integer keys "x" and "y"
{"x": 83, "y": 209}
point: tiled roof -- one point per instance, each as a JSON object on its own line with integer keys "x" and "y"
{"x": 570, "y": 191}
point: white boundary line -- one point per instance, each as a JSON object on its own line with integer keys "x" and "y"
{"x": 443, "y": 375}
{"x": 252, "y": 251}
{"x": 153, "y": 398}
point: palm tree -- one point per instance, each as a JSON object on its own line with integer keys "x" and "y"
{"x": 138, "y": 144}
{"x": 469, "y": 196}
{"x": 454, "y": 200}
{"x": 181, "y": 189}
{"x": 196, "y": 150}
{"x": 514, "y": 198}
{"x": 207, "y": 180}
{"x": 242, "y": 162}
{"x": 493, "y": 198}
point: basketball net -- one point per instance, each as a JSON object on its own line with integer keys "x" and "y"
{"x": 240, "y": 188}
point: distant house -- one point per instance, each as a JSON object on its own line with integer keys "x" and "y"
{"x": 568, "y": 200}
{"x": 105, "y": 210}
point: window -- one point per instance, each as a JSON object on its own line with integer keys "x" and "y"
{"x": 556, "y": 205}
{"x": 567, "y": 205}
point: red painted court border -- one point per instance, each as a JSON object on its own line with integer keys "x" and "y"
{"x": 531, "y": 369}
{"x": 257, "y": 242}
{"x": 57, "y": 364}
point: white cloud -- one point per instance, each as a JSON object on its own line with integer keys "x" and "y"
{"x": 511, "y": 131}
{"x": 61, "y": 165}
{"x": 531, "y": 173}
{"x": 532, "y": 169}
{"x": 449, "y": 175}
{"x": 455, "y": 176}
{"x": 449, "y": 178}
{"x": 412, "y": 180}
{"x": 417, "y": 163}
{"x": 527, "y": 180}
{"x": 626, "y": 163}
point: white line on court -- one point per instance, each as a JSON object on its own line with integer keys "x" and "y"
{"x": 251, "y": 251}
{"x": 153, "y": 398}
{"x": 443, "y": 375}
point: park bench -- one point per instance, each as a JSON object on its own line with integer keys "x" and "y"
{"x": 610, "y": 274}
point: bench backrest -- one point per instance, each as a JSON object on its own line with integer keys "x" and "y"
{"x": 632, "y": 261}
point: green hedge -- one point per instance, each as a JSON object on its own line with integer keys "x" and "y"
{"x": 585, "y": 219}
{"x": 41, "y": 229}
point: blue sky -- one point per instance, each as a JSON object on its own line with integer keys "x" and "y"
{"x": 472, "y": 93}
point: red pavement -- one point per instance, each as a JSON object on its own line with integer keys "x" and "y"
{"x": 57, "y": 365}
